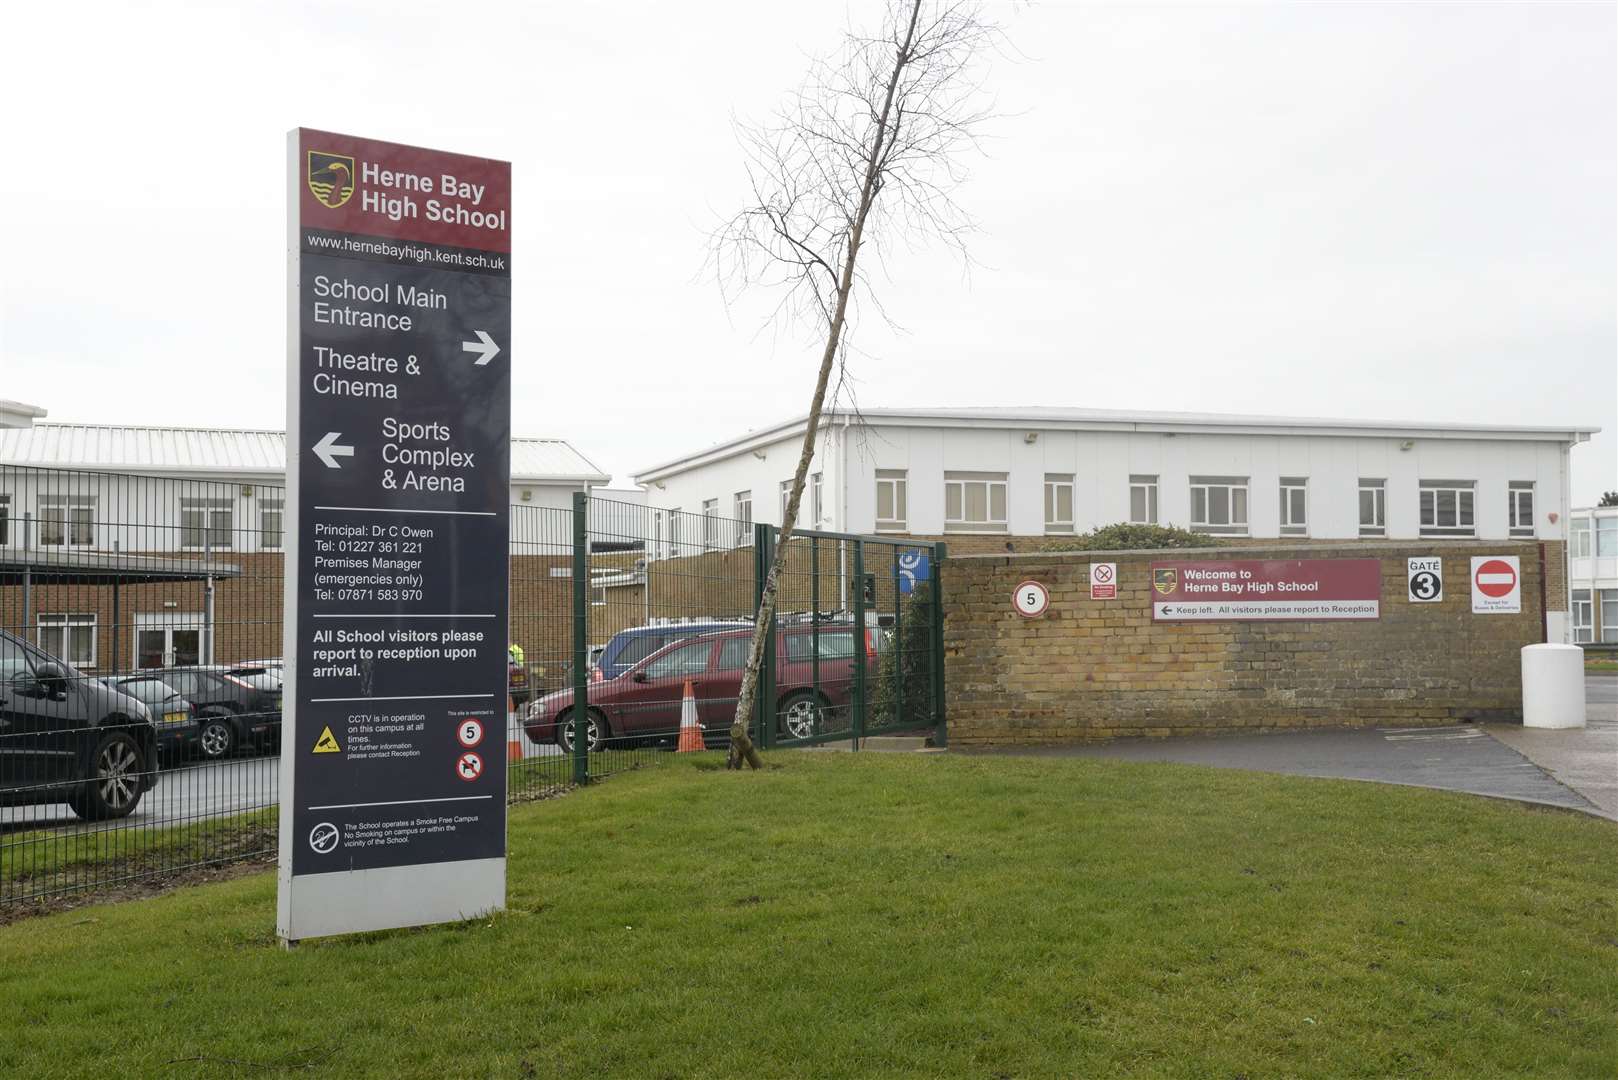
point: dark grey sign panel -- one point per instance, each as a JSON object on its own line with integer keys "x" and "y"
{"x": 394, "y": 757}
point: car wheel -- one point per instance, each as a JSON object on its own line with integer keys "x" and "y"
{"x": 217, "y": 738}
{"x": 595, "y": 732}
{"x": 799, "y": 715}
{"x": 116, "y": 782}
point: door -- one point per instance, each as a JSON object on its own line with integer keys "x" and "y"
{"x": 39, "y": 741}
{"x": 652, "y": 703}
{"x": 168, "y": 645}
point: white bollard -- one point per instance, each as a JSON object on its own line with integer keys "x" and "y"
{"x": 1552, "y": 686}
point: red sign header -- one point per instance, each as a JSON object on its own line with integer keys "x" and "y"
{"x": 371, "y": 188}
{"x": 1267, "y": 589}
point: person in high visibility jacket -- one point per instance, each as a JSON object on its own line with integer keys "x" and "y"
{"x": 515, "y": 652}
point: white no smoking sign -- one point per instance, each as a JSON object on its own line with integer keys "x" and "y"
{"x": 1031, "y": 599}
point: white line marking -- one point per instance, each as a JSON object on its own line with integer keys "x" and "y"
{"x": 1496, "y": 579}
{"x": 403, "y": 697}
{"x": 449, "y": 615}
{"x": 395, "y": 802}
{"x": 408, "y": 510}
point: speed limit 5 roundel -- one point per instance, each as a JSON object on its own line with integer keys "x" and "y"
{"x": 1031, "y": 599}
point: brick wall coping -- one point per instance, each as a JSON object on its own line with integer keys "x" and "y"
{"x": 1246, "y": 551}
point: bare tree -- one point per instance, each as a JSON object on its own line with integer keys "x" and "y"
{"x": 865, "y": 153}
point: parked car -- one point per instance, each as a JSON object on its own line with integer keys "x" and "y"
{"x": 237, "y": 706}
{"x": 646, "y": 699}
{"x": 64, "y": 737}
{"x": 629, "y": 647}
{"x": 172, "y": 715}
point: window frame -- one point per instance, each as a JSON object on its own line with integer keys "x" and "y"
{"x": 1581, "y": 538}
{"x": 1378, "y": 490}
{"x": 1583, "y": 630}
{"x": 60, "y": 509}
{"x": 814, "y": 487}
{"x": 5, "y": 519}
{"x": 1517, "y": 491}
{"x": 710, "y": 524}
{"x": 1230, "y": 485}
{"x": 1605, "y": 541}
{"x": 1147, "y": 485}
{"x": 1606, "y": 609}
{"x": 990, "y": 482}
{"x": 898, "y": 483}
{"x": 743, "y": 503}
{"x": 208, "y": 507}
{"x": 62, "y": 632}
{"x": 1054, "y": 483}
{"x": 278, "y": 507}
{"x": 1464, "y": 494}
{"x": 1290, "y": 487}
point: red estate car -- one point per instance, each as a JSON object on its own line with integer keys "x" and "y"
{"x": 645, "y": 700}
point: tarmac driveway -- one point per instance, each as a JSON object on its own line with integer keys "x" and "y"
{"x": 1463, "y": 757}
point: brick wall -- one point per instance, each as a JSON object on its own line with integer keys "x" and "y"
{"x": 1095, "y": 669}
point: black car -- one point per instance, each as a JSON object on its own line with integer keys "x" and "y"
{"x": 237, "y": 706}
{"x": 64, "y": 737}
{"x": 174, "y": 717}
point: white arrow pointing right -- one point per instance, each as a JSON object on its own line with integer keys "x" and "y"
{"x": 484, "y": 346}
{"x": 328, "y": 451}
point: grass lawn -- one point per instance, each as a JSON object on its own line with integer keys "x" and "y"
{"x": 894, "y": 915}
{"x": 1601, "y": 667}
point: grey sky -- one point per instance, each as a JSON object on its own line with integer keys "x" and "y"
{"x": 1401, "y": 211}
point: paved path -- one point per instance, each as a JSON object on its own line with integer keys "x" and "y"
{"x": 1585, "y": 760}
{"x": 1575, "y": 769}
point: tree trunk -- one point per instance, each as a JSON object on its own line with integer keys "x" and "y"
{"x": 741, "y": 744}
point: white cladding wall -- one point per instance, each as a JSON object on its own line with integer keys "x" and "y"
{"x": 1102, "y": 462}
{"x": 760, "y": 475}
{"x": 135, "y": 514}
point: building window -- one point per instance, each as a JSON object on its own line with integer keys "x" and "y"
{"x": 5, "y": 520}
{"x": 66, "y": 521}
{"x": 1583, "y": 618}
{"x": 674, "y": 531}
{"x": 974, "y": 502}
{"x": 710, "y": 524}
{"x": 1446, "y": 508}
{"x": 1143, "y": 500}
{"x": 1373, "y": 507}
{"x": 1606, "y": 536}
{"x": 1521, "y": 493}
{"x": 272, "y": 524}
{"x": 1219, "y": 505}
{"x": 1608, "y": 601}
{"x": 890, "y": 500}
{"x": 1581, "y": 538}
{"x": 814, "y": 488}
{"x": 1058, "y": 502}
{"x": 744, "y": 518}
{"x": 786, "y": 497}
{"x": 206, "y": 523}
{"x": 598, "y": 596}
{"x": 1294, "y": 506}
{"x": 69, "y": 637}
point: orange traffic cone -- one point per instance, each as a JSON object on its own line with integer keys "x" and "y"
{"x": 514, "y": 732}
{"x": 690, "y": 730}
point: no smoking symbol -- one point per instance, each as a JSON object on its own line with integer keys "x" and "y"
{"x": 469, "y": 766}
{"x": 1424, "y": 586}
{"x": 1103, "y": 573}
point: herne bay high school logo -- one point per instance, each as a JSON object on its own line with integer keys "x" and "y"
{"x": 331, "y": 178}
{"x": 1165, "y": 580}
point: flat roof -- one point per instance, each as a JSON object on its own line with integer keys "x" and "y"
{"x": 103, "y": 568}
{"x": 1068, "y": 419}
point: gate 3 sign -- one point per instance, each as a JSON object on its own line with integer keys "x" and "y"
{"x": 1266, "y": 589}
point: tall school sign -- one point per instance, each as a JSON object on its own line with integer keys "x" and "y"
{"x": 1247, "y": 590}
{"x": 393, "y": 765}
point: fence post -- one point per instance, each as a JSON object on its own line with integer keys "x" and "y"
{"x": 940, "y": 721}
{"x": 581, "y": 637}
{"x": 764, "y": 692}
{"x": 814, "y": 627}
{"x": 859, "y": 644}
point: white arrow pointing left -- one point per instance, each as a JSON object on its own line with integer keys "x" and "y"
{"x": 329, "y": 451}
{"x": 484, "y": 346}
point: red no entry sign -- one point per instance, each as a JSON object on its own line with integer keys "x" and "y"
{"x": 1496, "y": 577}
